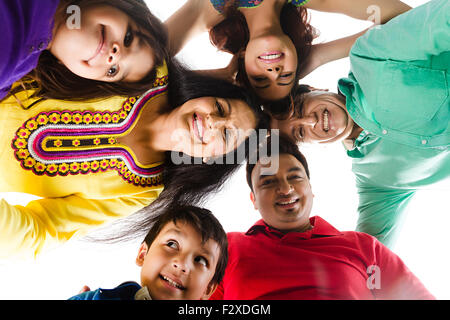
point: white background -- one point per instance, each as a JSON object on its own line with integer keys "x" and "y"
{"x": 423, "y": 245}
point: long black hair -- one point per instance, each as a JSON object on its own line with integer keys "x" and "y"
{"x": 191, "y": 181}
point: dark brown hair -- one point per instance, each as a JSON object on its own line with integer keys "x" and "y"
{"x": 52, "y": 80}
{"x": 285, "y": 147}
{"x": 232, "y": 35}
{"x": 204, "y": 222}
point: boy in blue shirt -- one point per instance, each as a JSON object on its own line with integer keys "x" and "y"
{"x": 183, "y": 257}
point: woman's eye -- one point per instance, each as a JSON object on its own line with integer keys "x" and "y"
{"x": 112, "y": 72}
{"x": 286, "y": 75}
{"x": 202, "y": 261}
{"x": 259, "y": 79}
{"x": 220, "y": 109}
{"x": 129, "y": 37}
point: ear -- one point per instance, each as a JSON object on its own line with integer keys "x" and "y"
{"x": 141, "y": 254}
{"x": 253, "y": 199}
{"x": 209, "y": 291}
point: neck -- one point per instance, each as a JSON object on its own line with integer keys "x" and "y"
{"x": 356, "y": 131}
{"x": 302, "y": 228}
{"x": 265, "y": 19}
{"x": 145, "y": 139}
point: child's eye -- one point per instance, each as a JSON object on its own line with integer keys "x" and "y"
{"x": 202, "y": 261}
{"x": 113, "y": 71}
{"x": 129, "y": 37}
{"x": 172, "y": 244}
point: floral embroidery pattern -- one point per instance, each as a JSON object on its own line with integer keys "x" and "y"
{"x": 81, "y": 142}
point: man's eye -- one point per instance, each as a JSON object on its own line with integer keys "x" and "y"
{"x": 299, "y": 134}
{"x": 129, "y": 37}
{"x": 202, "y": 261}
{"x": 267, "y": 182}
{"x": 113, "y": 71}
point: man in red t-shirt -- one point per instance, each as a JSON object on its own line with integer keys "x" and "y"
{"x": 288, "y": 255}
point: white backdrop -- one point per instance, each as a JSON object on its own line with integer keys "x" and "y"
{"x": 423, "y": 245}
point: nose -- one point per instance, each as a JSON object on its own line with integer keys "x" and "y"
{"x": 284, "y": 187}
{"x": 114, "y": 54}
{"x": 214, "y": 122}
{"x": 180, "y": 266}
{"x": 309, "y": 121}
{"x": 273, "y": 72}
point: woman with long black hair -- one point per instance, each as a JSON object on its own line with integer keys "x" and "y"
{"x": 95, "y": 161}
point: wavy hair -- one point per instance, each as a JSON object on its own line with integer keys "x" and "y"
{"x": 232, "y": 35}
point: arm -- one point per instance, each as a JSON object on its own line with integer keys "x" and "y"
{"x": 397, "y": 282}
{"x": 45, "y": 223}
{"x": 416, "y": 35}
{"x": 193, "y": 18}
{"x": 323, "y": 53}
{"x": 361, "y": 9}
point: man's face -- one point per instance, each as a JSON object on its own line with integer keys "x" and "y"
{"x": 284, "y": 198}
{"x": 324, "y": 119}
{"x": 178, "y": 265}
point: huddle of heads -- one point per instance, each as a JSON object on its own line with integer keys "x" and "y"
{"x": 184, "y": 255}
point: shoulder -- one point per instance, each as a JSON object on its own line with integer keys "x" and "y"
{"x": 125, "y": 291}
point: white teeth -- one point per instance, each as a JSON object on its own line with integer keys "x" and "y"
{"x": 325, "y": 121}
{"x": 172, "y": 283}
{"x": 271, "y": 56}
{"x": 289, "y": 202}
{"x": 200, "y": 134}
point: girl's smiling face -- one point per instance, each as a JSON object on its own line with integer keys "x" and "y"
{"x": 270, "y": 65}
{"x": 105, "y": 47}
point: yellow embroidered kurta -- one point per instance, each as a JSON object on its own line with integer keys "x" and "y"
{"x": 68, "y": 154}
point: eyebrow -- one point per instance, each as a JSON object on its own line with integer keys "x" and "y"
{"x": 286, "y": 84}
{"x": 229, "y": 105}
{"x": 203, "y": 250}
{"x": 263, "y": 87}
{"x": 293, "y": 169}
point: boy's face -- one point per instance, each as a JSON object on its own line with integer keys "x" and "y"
{"x": 178, "y": 266}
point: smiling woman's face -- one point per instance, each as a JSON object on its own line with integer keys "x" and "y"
{"x": 211, "y": 126}
{"x": 106, "y": 46}
{"x": 270, "y": 65}
{"x": 323, "y": 119}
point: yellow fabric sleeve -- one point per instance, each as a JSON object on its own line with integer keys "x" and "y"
{"x": 26, "y": 231}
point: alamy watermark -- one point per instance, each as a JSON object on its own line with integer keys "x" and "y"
{"x": 255, "y": 147}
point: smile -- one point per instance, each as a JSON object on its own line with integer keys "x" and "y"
{"x": 271, "y": 57}
{"x": 100, "y": 45}
{"x": 325, "y": 121}
{"x": 198, "y": 126}
{"x": 172, "y": 283}
{"x": 288, "y": 203}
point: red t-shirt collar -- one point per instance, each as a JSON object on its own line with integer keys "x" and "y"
{"x": 320, "y": 228}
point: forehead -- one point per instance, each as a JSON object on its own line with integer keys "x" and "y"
{"x": 279, "y": 164}
{"x": 184, "y": 231}
{"x": 274, "y": 91}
